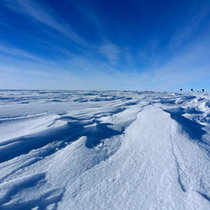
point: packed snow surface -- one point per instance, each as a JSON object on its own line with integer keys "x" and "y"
{"x": 104, "y": 150}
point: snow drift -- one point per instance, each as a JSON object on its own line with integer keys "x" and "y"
{"x": 104, "y": 150}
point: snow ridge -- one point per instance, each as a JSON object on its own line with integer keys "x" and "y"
{"x": 104, "y": 150}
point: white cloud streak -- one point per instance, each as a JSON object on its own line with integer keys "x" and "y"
{"x": 38, "y": 13}
{"x": 18, "y": 53}
{"x": 43, "y": 15}
{"x": 79, "y": 72}
{"x": 86, "y": 72}
{"x": 188, "y": 27}
{"x": 111, "y": 52}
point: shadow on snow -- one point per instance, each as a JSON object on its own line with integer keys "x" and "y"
{"x": 95, "y": 132}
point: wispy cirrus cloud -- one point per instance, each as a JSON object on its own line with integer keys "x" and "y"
{"x": 188, "y": 27}
{"x": 44, "y": 16}
{"x": 159, "y": 61}
{"x": 178, "y": 71}
{"x": 110, "y": 52}
{"x": 17, "y": 53}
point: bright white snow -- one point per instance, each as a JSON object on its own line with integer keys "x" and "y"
{"x": 104, "y": 150}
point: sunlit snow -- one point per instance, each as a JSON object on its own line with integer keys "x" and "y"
{"x": 104, "y": 150}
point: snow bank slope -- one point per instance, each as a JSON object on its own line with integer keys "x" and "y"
{"x": 105, "y": 150}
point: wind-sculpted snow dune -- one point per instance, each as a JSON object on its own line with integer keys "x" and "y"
{"x": 104, "y": 150}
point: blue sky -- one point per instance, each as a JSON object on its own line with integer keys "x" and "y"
{"x": 105, "y": 44}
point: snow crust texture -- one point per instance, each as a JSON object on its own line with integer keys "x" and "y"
{"x": 104, "y": 150}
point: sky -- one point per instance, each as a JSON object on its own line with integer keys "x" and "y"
{"x": 157, "y": 45}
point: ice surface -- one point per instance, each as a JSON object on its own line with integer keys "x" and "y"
{"x": 104, "y": 150}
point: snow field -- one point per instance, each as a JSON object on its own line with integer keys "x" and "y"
{"x": 104, "y": 150}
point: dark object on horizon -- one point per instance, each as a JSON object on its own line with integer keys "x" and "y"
{"x": 203, "y": 90}
{"x": 180, "y": 89}
{"x": 192, "y": 90}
